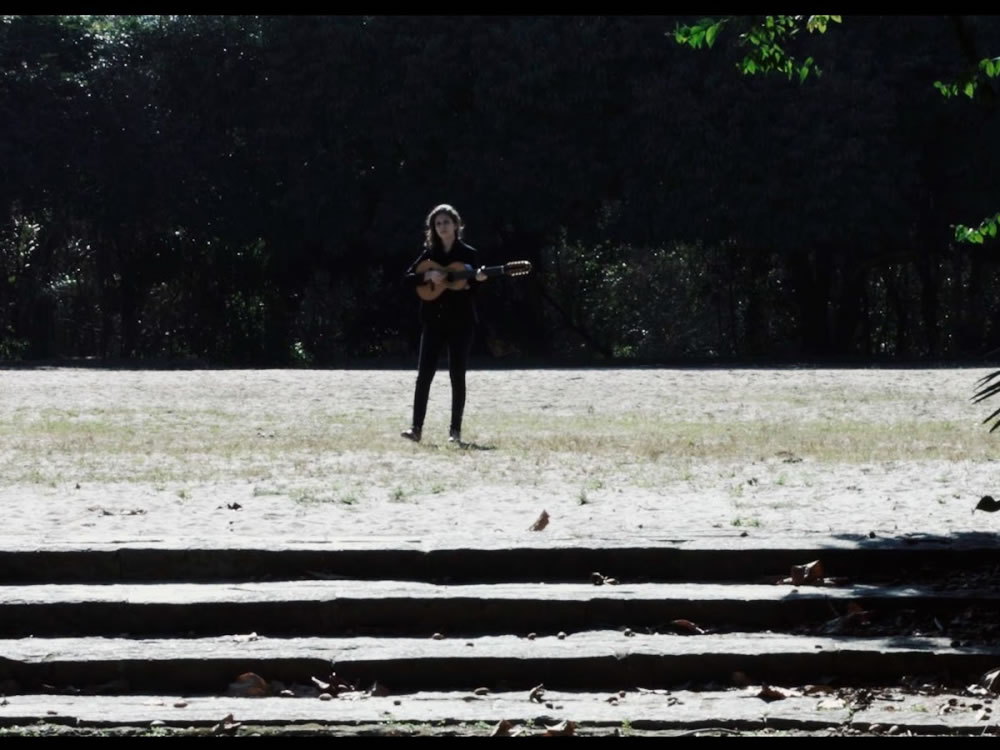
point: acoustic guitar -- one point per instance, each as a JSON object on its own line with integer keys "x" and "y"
{"x": 457, "y": 275}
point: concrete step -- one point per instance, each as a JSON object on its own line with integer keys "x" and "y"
{"x": 629, "y": 712}
{"x": 590, "y": 660}
{"x": 335, "y": 607}
{"x": 717, "y": 559}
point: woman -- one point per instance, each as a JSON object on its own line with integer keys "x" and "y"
{"x": 447, "y": 320}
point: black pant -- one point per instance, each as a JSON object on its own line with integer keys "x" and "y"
{"x": 433, "y": 338}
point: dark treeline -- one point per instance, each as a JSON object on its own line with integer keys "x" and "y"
{"x": 247, "y": 190}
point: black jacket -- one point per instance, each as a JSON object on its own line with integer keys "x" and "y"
{"x": 453, "y": 306}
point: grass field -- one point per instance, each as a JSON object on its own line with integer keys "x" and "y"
{"x": 316, "y": 454}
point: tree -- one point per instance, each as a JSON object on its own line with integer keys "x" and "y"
{"x": 765, "y": 41}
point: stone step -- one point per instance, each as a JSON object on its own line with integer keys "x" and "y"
{"x": 630, "y": 712}
{"x": 591, "y": 660}
{"x": 724, "y": 558}
{"x": 329, "y": 607}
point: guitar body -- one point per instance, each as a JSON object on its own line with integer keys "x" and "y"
{"x": 457, "y": 275}
{"x": 429, "y": 290}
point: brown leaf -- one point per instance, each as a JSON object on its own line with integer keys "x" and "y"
{"x": 769, "y": 694}
{"x": 855, "y": 615}
{"x": 807, "y": 573}
{"x": 501, "y": 729}
{"x": 541, "y": 522}
{"x": 379, "y": 690}
{"x": 686, "y": 627}
{"x": 988, "y": 504}
{"x": 226, "y": 725}
{"x": 562, "y": 729}
{"x": 991, "y": 680}
{"x": 536, "y": 693}
{"x": 248, "y": 684}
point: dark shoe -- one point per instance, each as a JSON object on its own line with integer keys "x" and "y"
{"x": 454, "y": 436}
{"x": 411, "y": 434}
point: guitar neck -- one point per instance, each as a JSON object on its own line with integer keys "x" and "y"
{"x": 466, "y": 274}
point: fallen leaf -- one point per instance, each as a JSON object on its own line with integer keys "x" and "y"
{"x": 769, "y": 694}
{"x": 562, "y": 729}
{"x": 248, "y": 684}
{"x": 686, "y": 627}
{"x": 378, "y": 690}
{"x": 536, "y": 693}
{"x": 988, "y": 504}
{"x": 227, "y": 725}
{"x": 855, "y": 615}
{"x": 541, "y": 522}
{"x": 501, "y": 729}
{"x": 807, "y": 573}
{"x": 991, "y": 680}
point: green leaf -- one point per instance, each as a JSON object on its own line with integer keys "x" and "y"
{"x": 713, "y": 30}
{"x": 969, "y": 88}
{"x": 816, "y": 23}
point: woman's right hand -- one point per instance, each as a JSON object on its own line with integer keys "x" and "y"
{"x": 434, "y": 276}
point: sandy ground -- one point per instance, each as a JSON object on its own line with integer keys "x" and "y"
{"x": 247, "y": 457}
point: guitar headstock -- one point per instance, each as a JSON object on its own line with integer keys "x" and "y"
{"x": 517, "y": 268}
